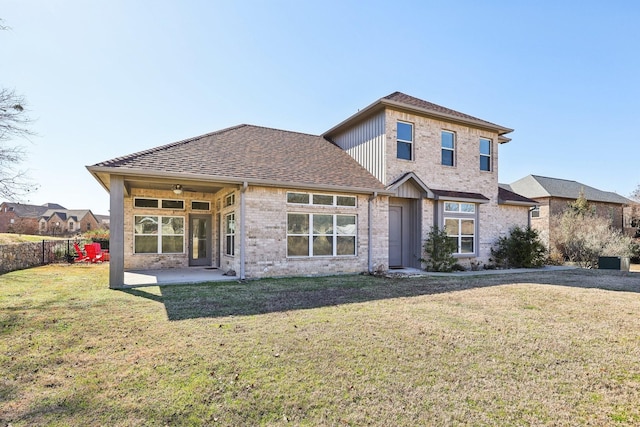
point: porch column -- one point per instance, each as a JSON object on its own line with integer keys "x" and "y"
{"x": 242, "y": 229}
{"x": 116, "y": 233}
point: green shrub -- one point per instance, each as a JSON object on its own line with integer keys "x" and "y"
{"x": 522, "y": 248}
{"x": 439, "y": 249}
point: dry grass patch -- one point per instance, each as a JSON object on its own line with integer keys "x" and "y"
{"x": 534, "y": 349}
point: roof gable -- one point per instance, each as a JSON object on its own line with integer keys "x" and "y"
{"x": 253, "y": 154}
{"x": 399, "y": 100}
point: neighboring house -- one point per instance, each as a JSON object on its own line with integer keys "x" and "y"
{"x": 22, "y": 218}
{"x": 554, "y": 196}
{"x": 67, "y": 221}
{"x": 631, "y": 216}
{"x": 361, "y": 197}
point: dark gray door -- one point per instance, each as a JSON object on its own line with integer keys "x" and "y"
{"x": 395, "y": 236}
{"x": 199, "y": 240}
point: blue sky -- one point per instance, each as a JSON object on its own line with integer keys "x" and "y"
{"x": 105, "y": 78}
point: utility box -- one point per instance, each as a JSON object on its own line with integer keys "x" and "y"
{"x": 613, "y": 263}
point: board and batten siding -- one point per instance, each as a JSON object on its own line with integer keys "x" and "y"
{"x": 365, "y": 142}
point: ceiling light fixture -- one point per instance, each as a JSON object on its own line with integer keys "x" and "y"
{"x": 177, "y": 189}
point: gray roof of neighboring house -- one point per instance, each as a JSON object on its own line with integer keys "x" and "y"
{"x": 30, "y": 211}
{"x": 400, "y": 100}
{"x": 535, "y": 187}
{"x": 64, "y": 214}
{"x": 253, "y": 154}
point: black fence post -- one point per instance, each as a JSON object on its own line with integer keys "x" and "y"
{"x": 43, "y": 252}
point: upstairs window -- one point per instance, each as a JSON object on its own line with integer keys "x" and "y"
{"x": 405, "y": 141}
{"x": 485, "y": 154}
{"x": 448, "y": 148}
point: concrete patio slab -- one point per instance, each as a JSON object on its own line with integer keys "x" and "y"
{"x": 134, "y": 278}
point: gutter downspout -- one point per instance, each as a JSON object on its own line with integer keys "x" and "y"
{"x": 245, "y": 185}
{"x": 370, "y": 231}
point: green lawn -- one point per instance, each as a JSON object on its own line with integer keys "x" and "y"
{"x": 558, "y": 348}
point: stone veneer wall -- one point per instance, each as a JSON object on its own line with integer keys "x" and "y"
{"x": 19, "y": 256}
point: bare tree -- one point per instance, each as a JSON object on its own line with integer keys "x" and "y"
{"x": 14, "y": 123}
{"x": 635, "y": 195}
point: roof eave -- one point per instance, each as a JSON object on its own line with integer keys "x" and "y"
{"x": 383, "y": 103}
{"x": 517, "y": 203}
{"x": 225, "y": 180}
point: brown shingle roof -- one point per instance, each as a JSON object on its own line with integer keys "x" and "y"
{"x": 506, "y": 197}
{"x": 399, "y": 100}
{"x": 254, "y": 153}
{"x": 459, "y": 195}
{"x": 430, "y": 106}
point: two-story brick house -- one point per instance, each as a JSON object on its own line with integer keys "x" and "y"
{"x": 22, "y": 218}
{"x": 67, "y": 221}
{"x": 267, "y": 202}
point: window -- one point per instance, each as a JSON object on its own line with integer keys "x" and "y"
{"x": 405, "y": 140}
{"x": 230, "y": 233}
{"x": 460, "y": 225}
{"x": 448, "y": 148}
{"x": 158, "y": 234}
{"x": 320, "y": 235}
{"x": 71, "y": 226}
{"x": 485, "y": 154}
{"x": 462, "y": 232}
{"x": 200, "y": 206}
{"x": 321, "y": 199}
{"x": 145, "y": 203}
{"x": 459, "y": 207}
{"x": 140, "y": 202}
{"x": 230, "y": 200}
{"x": 535, "y": 212}
{"x": 173, "y": 204}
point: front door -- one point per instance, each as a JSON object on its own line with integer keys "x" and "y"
{"x": 199, "y": 240}
{"x": 395, "y": 236}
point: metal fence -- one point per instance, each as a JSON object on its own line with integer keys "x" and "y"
{"x": 18, "y": 256}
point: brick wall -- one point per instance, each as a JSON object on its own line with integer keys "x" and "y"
{"x": 266, "y": 233}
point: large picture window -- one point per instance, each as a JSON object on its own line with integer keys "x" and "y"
{"x": 158, "y": 234}
{"x": 462, "y": 232}
{"x": 321, "y": 235}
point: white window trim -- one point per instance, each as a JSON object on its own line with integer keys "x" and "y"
{"x": 201, "y": 201}
{"x": 333, "y": 204}
{"x": 490, "y": 155}
{"x": 230, "y": 200}
{"x": 462, "y": 215}
{"x": 230, "y": 250}
{"x": 159, "y": 200}
{"x": 412, "y": 151}
{"x": 453, "y": 150}
{"x": 334, "y": 236}
{"x": 159, "y": 235}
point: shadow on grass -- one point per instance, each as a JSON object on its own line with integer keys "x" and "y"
{"x": 222, "y": 299}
